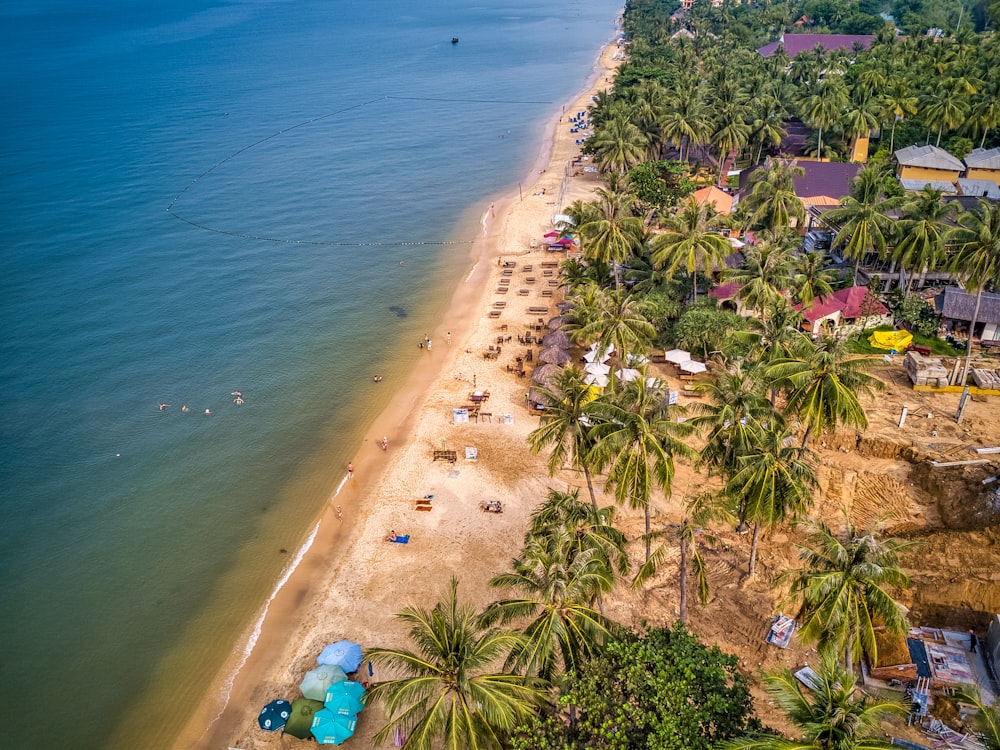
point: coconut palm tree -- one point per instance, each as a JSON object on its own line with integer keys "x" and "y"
{"x": 449, "y": 697}
{"x": 617, "y": 145}
{"x": 614, "y": 234}
{"x": 636, "y": 441}
{"x": 811, "y": 277}
{"x": 771, "y": 202}
{"x": 844, "y": 589}
{"x": 773, "y": 483}
{"x": 823, "y": 105}
{"x": 986, "y": 722}
{"x": 898, "y": 102}
{"x": 692, "y": 242}
{"x": 977, "y": 259}
{"x": 685, "y": 536}
{"x": 565, "y": 426}
{"x": 828, "y": 712}
{"x": 588, "y": 528}
{"x": 946, "y": 108}
{"x": 860, "y": 221}
{"x": 766, "y": 272}
{"x": 736, "y": 411}
{"x": 622, "y": 322}
{"x": 822, "y": 386}
{"x": 921, "y": 232}
{"x": 554, "y": 589}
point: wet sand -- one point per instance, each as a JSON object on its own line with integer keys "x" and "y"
{"x": 350, "y": 582}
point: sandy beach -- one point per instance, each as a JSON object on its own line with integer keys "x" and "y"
{"x": 351, "y": 582}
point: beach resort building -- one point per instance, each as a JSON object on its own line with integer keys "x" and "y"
{"x": 957, "y": 306}
{"x": 917, "y": 166}
{"x": 720, "y": 201}
{"x": 822, "y": 184}
{"x": 844, "y": 312}
{"x": 983, "y": 164}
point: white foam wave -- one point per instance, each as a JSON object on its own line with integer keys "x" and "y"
{"x": 227, "y": 686}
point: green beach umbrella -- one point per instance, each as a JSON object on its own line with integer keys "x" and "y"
{"x": 317, "y": 681}
{"x": 300, "y": 721}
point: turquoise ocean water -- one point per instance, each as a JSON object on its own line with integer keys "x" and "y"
{"x": 137, "y": 544}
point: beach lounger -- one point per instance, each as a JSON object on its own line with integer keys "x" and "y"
{"x": 547, "y": 273}
{"x": 546, "y": 292}
{"x": 495, "y": 313}
{"x": 527, "y": 268}
{"x": 529, "y": 280}
{"x": 523, "y": 292}
{"x": 550, "y": 264}
{"x": 401, "y": 539}
{"x": 502, "y": 289}
{"x": 504, "y": 282}
{"x": 424, "y": 507}
{"x": 553, "y": 282}
{"x": 538, "y": 310}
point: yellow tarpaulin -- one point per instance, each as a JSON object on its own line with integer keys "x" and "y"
{"x": 898, "y": 340}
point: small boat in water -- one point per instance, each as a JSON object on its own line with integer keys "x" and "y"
{"x": 454, "y": 40}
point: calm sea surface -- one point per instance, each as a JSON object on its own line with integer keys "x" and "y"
{"x": 136, "y": 544}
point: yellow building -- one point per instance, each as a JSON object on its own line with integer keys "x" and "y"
{"x": 983, "y": 164}
{"x": 917, "y": 166}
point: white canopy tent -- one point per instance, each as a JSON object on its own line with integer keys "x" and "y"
{"x": 676, "y": 356}
{"x": 692, "y": 367}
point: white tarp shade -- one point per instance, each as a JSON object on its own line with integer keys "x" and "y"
{"x": 597, "y": 379}
{"x": 693, "y": 367}
{"x": 677, "y": 356}
{"x": 628, "y": 375}
{"x": 597, "y": 368}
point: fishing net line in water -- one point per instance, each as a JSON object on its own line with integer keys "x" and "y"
{"x": 173, "y": 211}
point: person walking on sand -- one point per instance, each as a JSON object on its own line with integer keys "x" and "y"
{"x": 340, "y": 513}
{"x": 350, "y": 470}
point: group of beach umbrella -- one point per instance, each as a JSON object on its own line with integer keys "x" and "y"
{"x": 330, "y": 703}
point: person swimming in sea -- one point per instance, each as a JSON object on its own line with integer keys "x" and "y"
{"x": 377, "y": 378}
{"x": 163, "y": 406}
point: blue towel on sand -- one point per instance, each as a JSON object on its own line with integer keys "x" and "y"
{"x": 402, "y": 539}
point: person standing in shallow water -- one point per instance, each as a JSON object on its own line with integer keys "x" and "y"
{"x": 350, "y": 470}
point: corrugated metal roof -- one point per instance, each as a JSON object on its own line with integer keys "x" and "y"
{"x": 948, "y": 188}
{"x": 928, "y": 157}
{"x": 982, "y": 158}
{"x": 979, "y": 188}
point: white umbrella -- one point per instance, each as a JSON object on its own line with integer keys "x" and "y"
{"x": 609, "y": 349}
{"x": 634, "y": 360}
{"x": 597, "y": 368}
{"x": 628, "y": 375}
{"x": 653, "y": 382}
{"x": 597, "y": 379}
{"x": 593, "y": 356}
{"x": 677, "y": 356}
{"x": 692, "y": 366}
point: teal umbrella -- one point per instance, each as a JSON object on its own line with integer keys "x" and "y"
{"x": 301, "y": 718}
{"x": 331, "y": 728}
{"x": 344, "y": 698}
{"x": 317, "y": 681}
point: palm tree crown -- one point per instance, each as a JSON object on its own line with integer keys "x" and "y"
{"x": 449, "y": 698}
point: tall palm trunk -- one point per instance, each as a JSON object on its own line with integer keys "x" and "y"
{"x": 972, "y": 328}
{"x": 752, "y": 567}
{"x": 684, "y": 580}
{"x": 590, "y": 487}
{"x": 805, "y": 440}
{"x": 648, "y": 540}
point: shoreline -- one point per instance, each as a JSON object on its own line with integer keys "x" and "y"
{"x": 322, "y": 564}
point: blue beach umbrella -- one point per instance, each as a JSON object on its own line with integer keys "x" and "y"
{"x": 331, "y": 728}
{"x": 274, "y": 715}
{"x": 317, "y": 681}
{"x": 344, "y": 698}
{"x": 344, "y": 654}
